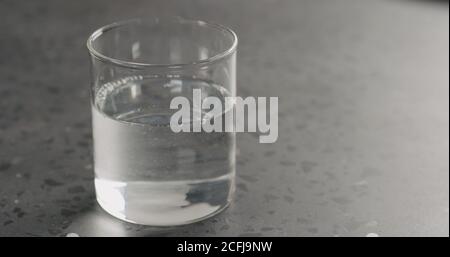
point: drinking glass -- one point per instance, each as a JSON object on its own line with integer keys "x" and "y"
{"x": 144, "y": 172}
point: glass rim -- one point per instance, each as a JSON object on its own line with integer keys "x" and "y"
{"x": 222, "y": 54}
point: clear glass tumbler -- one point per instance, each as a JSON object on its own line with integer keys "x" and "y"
{"x": 144, "y": 172}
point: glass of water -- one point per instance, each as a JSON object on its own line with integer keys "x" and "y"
{"x": 144, "y": 172}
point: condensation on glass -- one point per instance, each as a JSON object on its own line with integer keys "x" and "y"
{"x": 144, "y": 172}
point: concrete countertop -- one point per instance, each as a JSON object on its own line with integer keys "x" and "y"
{"x": 363, "y": 144}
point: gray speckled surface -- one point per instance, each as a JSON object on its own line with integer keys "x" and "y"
{"x": 364, "y": 121}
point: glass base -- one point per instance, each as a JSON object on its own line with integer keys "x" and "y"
{"x": 164, "y": 203}
{"x": 148, "y": 221}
